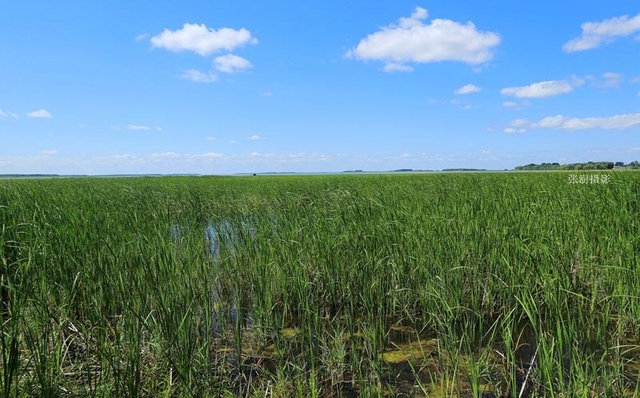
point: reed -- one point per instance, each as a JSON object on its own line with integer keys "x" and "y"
{"x": 512, "y": 284}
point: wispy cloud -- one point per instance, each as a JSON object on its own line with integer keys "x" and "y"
{"x": 543, "y": 89}
{"x": 411, "y": 40}
{"x": 142, "y": 36}
{"x": 468, "y": 89}
{"x": 8, "y": 114}
{"x": 49, "y": 152}
{"x": 202, "y": 40}
{"x": 608, "y": 80}
{"x": 210, "y": 138}
{"x": 396, "y": 67}
{"x": 197, "y": 76}
{"x": 512, "y": 130}
{"x": 40, "y": 114}
{"x": 231, "y": 63}
{"x": 254, "y": 137}
{"x": 595, "y": 34}
{"x": 561, "y": 122}
{"x": 138, "y": 127}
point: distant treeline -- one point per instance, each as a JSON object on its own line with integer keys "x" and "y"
{"x": 580, "y": 166}
{"x": 27, "y": 175}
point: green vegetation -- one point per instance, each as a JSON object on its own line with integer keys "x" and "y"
{"x": 574, "y": 166}
{"x": 468, "y": 285}
{"x": 580, "y": 166}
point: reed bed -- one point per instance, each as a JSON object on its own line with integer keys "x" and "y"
{"x": 456, "y": 285}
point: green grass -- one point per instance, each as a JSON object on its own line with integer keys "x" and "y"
{"x": 511, "y": 284}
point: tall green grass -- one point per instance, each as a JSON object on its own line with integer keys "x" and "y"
{"x": 513, "y": 284}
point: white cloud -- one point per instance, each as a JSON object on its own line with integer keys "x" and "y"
{"x": 561, "y": 122}
{"x": 414, "y": 41}
{"x": 550, "y": 122}
{"x": 542, "y": 89}
{"x": 210, "y": 138}
{"x": 254, "y": 137}
{"x": 595, "y": 34}
{"x": 159, "y": 128}
{"x": 231, "y": 63}
{"x": 164, "y": 156}
{"x": 48, "y": 152}
{"x": 40, "y": 114}
{"x": 11, "y": 115}
{"x": 138, "y": 127}
{"x": 519, "y": 122}
{"x": 202, "y": 40}
{"x": 419, "y": 14}
{"x": 509, "y": 104}
{"x": 142, "y": 36}
{"x": 209, "y": 156}
{"x": 395, "y": 67}
{"x": 195, "y": 75}
{"x": 468, "y": 89}
{"x": 609, "y": 80}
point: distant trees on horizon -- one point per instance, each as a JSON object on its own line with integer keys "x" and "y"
{"x": 580, "y": 166}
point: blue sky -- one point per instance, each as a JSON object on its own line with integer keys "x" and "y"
{"x": 220, "y": 87}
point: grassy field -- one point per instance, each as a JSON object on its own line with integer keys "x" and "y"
{"x": 445, "y": 285}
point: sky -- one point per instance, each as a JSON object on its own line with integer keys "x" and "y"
{"x": 224, "y": 87}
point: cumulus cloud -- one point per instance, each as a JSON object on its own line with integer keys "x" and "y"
{"x": 561, "y": 122}
{"x": 231, "y": 63}
{"x": 468, "y": 89}
{"x": 411, "y": 40}
{"x": 197, "y": 76}
{"x": 40, "y": 114}
{"x": 138, "y": 127}
{"x": 202, "y": 40}
{"x": 254, "y": 137}
{"x": 594, "y": 34}
{"x": 543, "y": 89}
